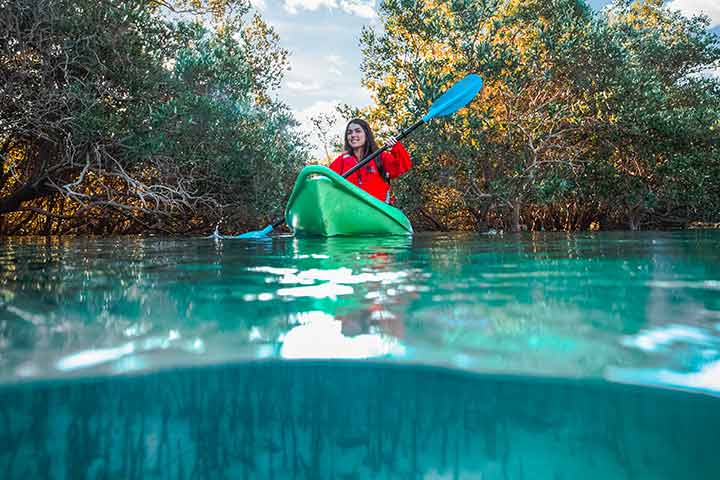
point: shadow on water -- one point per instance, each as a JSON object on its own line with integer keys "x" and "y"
{"x": 317, "y": 420}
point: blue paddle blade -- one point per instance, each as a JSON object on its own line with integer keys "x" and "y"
{"x": 457, "y": 97}
{"x": 249, "y": 235}
{"x": 256, "y": 234}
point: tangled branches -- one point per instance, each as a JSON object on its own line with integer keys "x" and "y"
{"x": 115, "y": 120}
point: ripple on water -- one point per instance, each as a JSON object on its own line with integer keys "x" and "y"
{"x": 640, "y": 308}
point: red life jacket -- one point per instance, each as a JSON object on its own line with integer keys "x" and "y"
{"x": 395, "y": 162}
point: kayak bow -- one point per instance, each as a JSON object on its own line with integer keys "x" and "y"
{"x": 323, "y": 203}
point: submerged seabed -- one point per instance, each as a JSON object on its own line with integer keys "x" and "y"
{"x": 345, "y": 420}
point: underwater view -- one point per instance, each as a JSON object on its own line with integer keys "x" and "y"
{"x": 462, "y": 356}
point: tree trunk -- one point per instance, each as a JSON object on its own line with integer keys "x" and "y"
{"x": 480, "y": 215}
{"x": 432, "y": 219}
{"x": 50, "y": 205}
{"x": 515, "y": 225}
{"x": 634, "y": 217}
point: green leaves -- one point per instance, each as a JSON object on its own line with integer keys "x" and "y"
{"x": 579, "y": 108}
{"x": 169, "y": 108}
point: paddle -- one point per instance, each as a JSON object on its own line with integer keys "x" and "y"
{"x": 448, "y": 103}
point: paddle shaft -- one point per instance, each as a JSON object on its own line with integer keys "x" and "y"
{"x": 377, "y": 152}
{"x": 449, "y": 102}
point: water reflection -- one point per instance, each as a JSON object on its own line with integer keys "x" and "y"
{"x": 690, "y": 358}
{"x": 98, "y": 356}
{"x": 320, "y": 335}
{"x": 548, "y": 305}
{"x": 356, "y": 327}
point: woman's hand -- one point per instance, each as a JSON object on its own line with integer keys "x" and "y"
{"x": 391, "y": 142}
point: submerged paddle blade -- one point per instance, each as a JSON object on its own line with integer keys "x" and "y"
{"x": 457, "y": 97}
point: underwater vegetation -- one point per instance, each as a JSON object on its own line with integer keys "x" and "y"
{"x": 345, "y": 420}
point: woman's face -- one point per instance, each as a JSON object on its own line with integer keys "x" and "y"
{"x": 355, "y": 136}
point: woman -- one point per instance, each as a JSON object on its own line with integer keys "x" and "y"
{"x": 375, "y": 176}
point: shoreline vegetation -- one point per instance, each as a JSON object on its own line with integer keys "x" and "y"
{"x": 161, "y": 116}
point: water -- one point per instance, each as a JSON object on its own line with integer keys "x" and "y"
{"x": 438, "y": 356}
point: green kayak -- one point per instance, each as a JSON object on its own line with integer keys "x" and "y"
{"x": 324, "y": 203}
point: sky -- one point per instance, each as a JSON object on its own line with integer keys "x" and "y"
{"x": 322, "y": 37}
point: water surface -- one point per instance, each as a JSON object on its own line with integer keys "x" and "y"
{"x": 621, "y": 307}
{"x": 545, "y": 356}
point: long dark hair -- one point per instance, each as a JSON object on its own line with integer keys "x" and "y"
{"x": 370, "y": 145}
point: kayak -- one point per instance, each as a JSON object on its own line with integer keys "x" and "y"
{"x": 323, "y": 203}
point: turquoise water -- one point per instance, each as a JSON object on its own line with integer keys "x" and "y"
{"x": 438, "y": 356}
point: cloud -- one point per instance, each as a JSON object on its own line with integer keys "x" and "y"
{"x": 299, "y": 86}
{"x": 714, "y": 72}
{"x": 360, "y": 8}
{"x": 335, "y": 60}
{"x": 320, "y": 75}
{"x": 321, "y": 107}
{"x": 709, "y": 72}
{"x": 293, "y": 6}
{"x": 711, "y": 8}
{"x": 289, "y": 27}
{"x": 258, "y": 4}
